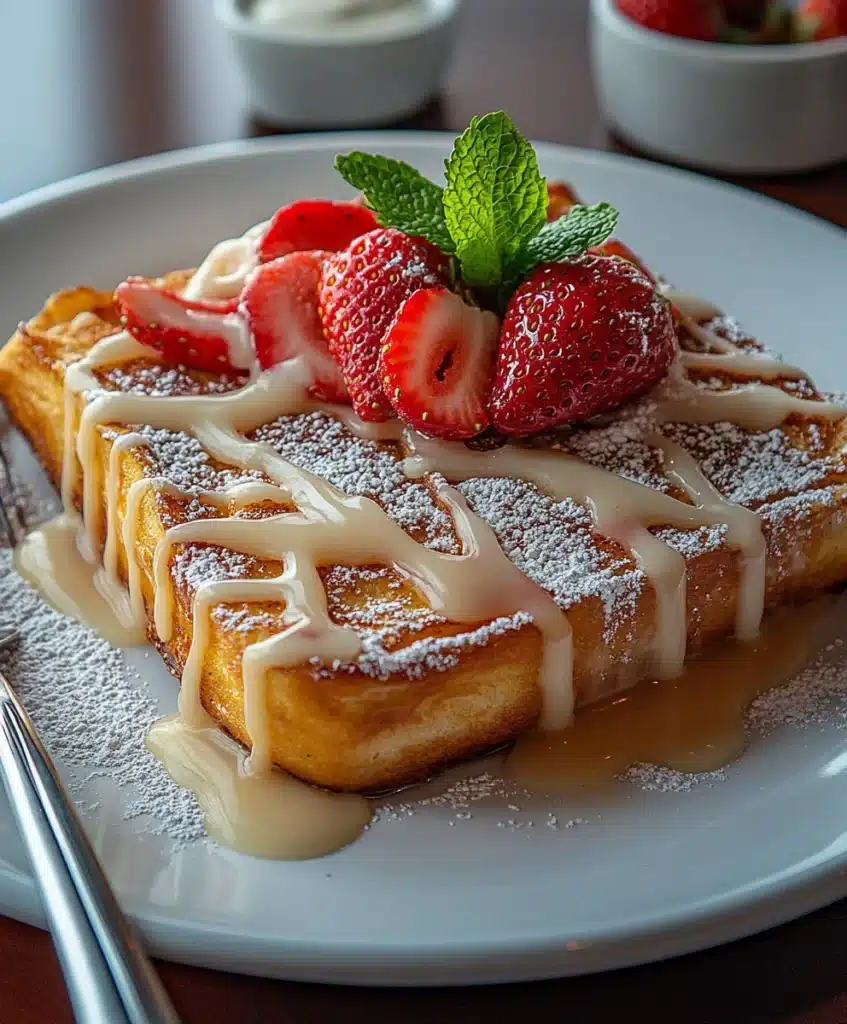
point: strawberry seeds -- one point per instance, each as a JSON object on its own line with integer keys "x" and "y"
{"x": 425, "y": 305}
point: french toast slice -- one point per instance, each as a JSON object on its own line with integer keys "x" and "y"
{"x": 426, "y": 691}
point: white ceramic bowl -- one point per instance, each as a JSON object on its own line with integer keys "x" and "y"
{"x": 733, "y": 108}
{"x": 328, "y": 81}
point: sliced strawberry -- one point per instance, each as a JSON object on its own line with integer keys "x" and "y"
{"x": 202, "y": 335}
{"x": 437, "y": 363}
{"x": 315, "y": 224}
{"x": 615, "y": 248}
{"x": 280, "y": 305}
{"x": 361, "y": 291}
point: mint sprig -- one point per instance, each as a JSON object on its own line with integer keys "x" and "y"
{"x": 492, "y": 214}
{"x": 401, "y": 196}
{"x": 495, "y": 200}
{"x": 581, "y": 229}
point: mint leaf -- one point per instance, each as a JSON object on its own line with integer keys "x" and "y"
{"x": 495, "y": 200}
{"x": 580, "y": 229}
{"x": 400, "y": 195}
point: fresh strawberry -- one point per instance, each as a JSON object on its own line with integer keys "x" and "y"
{"x": 315, "y": 224}
{"x": 820, "y": 19}
{"x": 280, "y": 305}
{"x": 437, "y": 363}
{"x": 579, "y": 339}
{"x": 560, "y": 198}
{"x": 615, "y": 248}
{"x": 693, "y": 19}
{"x": 745, "y": 13}
{"x": 202, "y": 335}
{"x": 767, "y": 22}
{"x": 361, "y": 290}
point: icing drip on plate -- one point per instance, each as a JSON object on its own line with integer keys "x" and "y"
{"x": 329, "y": 527}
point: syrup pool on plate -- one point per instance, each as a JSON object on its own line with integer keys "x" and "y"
{"x": 694, "y": 723}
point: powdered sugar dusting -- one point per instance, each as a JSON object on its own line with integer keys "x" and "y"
{"x": 817, "y": 696}
{"x": 421, "y": 657}
{"x": 693, "y": 543}
{"x": 242, "y": 618}
{"x": 322, "y": 445}
{"x": 158, "y": 380}
{"x": 620, "y": 448}
{"x": 458, "y": 797}
{"x": 196, "y": 564}
{"x": 554, "y": 544}
{"x": 654, "y": 778}
{"x": 183, "y": 461}
{"x": 749, "y": 469}
{"x": 89, "y": 710}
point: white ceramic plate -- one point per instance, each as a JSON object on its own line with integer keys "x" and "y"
{"x": 418, "y": 900}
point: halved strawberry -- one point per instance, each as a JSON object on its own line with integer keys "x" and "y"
{"x": 437, "y": 364}
{"x": 280, "y": 305}
{"x": 202, "y": 335}
{"x": 315, "y": 224}
{"x": 362, "y": 288}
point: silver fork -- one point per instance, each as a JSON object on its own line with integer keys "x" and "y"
{"x": 108, "y": 976}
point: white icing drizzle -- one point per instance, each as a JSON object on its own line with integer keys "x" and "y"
{"x": 110, "y": 553}
{"x": 744, "y": 529}
{"x": 755, "y": 406}
{"x": 476, "y": 586}
{"x": 223, "y": 272}
{"x": 722, "y": 355}
{"x": 330, "y": 527}
{"x": 622, "y": 510}
{"x": 691, "y": 306}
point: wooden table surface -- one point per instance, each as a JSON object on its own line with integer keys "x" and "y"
{"x": 87, "y": 84}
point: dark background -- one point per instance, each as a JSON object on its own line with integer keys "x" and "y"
{"x": 84, "y": 83}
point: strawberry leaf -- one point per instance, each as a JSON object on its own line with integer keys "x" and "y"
{"x": 400, "y": 195}
{"x": 495, "y": 200}
{"x": 579, "y": 230}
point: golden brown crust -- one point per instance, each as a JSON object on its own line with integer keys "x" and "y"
{"x": 347, "y": 729}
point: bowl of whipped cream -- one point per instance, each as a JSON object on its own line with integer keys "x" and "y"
{"x": 340, "y": 63}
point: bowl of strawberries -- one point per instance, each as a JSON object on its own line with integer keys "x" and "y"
{"x": 736, "y": 86}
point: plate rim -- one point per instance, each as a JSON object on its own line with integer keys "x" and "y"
{"x": 214, "y": 152}
{"x": 743, "y": 911}
{"x": 432, "y": 966}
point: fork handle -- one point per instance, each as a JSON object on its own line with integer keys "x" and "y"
{"x": 108, "y": 975}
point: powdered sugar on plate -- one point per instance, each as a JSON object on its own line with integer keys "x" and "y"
{"x": 89, "y": 709}
{"x": 817, "y": 696}
{"x": 100, "y": 726}
{"x": 654, "y": 778}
